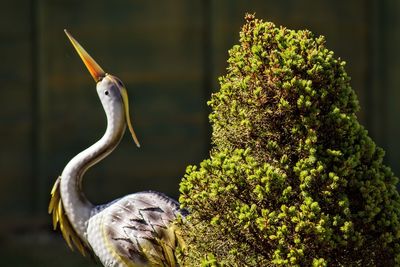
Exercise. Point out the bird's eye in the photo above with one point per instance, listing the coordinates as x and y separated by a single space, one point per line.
106 92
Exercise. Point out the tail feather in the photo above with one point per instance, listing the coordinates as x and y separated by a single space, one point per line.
56 209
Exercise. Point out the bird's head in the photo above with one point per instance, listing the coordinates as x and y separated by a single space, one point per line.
110 89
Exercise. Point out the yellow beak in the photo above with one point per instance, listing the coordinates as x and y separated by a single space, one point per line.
95 70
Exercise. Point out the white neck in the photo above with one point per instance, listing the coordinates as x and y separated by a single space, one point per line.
77 207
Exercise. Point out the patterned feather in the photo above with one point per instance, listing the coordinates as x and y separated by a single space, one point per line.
56 209
139 229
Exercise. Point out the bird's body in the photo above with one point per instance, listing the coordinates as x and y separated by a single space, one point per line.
135 230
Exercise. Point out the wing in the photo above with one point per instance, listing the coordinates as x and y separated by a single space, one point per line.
56 209
139 229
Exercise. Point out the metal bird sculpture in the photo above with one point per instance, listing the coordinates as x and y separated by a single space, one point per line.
135 230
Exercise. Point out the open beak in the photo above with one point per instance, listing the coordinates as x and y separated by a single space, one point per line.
95 70
98 73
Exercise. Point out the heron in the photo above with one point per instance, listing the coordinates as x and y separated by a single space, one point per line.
134 230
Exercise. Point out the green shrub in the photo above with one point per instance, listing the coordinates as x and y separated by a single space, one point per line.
293 178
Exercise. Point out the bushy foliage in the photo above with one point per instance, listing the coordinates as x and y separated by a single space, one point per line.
293 178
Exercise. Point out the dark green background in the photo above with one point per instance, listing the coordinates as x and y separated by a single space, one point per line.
169 54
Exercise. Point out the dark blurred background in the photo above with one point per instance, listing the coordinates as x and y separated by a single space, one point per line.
169 55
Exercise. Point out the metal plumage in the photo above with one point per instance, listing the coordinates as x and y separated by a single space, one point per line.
135 230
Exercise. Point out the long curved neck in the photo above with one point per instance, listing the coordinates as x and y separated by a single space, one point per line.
77 207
